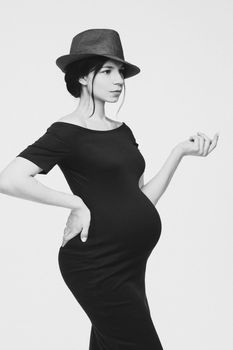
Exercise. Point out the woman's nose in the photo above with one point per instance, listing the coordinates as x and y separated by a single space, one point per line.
118 78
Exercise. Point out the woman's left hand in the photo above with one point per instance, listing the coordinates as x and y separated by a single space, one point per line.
198 145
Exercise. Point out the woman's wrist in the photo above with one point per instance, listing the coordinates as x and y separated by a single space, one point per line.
78 202
178 150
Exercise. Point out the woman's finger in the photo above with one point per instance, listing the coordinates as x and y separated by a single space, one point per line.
204 135
213 143
201 145
84 233
68 236
207 143
66 230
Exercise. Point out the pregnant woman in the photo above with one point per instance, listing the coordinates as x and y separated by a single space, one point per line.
113 225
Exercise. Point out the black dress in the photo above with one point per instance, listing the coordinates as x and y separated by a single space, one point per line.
106 274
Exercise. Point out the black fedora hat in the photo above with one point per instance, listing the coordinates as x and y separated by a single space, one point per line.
101 42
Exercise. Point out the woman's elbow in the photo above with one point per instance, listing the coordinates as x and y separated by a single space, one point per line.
5 185
14 174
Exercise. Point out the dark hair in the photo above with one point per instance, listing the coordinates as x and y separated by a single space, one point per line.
78 69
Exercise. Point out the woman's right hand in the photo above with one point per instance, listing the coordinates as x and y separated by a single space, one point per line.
78 222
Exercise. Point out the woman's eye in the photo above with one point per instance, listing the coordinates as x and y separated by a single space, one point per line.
108 70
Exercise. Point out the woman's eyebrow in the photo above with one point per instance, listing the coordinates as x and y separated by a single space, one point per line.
112 66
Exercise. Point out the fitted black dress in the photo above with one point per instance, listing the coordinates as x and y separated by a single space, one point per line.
106 274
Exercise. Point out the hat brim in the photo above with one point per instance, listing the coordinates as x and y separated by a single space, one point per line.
63 61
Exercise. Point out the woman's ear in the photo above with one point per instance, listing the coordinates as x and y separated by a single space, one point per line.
83 80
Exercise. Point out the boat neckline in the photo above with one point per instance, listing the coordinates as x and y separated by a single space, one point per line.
91 130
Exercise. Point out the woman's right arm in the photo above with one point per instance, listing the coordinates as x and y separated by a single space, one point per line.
17 180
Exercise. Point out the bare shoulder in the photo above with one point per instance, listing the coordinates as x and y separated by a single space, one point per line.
114 122
69 118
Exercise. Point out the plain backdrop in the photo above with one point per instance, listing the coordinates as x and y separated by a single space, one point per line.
184 49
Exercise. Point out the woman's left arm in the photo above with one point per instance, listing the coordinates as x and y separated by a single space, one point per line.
200 145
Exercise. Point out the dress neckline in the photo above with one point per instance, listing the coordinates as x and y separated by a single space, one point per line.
90 130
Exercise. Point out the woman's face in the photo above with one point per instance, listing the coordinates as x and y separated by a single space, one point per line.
109 79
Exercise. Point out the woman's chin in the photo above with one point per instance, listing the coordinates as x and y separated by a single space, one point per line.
113 99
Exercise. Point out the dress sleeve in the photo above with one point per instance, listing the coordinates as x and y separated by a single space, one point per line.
47 151
133 138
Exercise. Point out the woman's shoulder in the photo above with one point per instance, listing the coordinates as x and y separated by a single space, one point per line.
78 121
69 118
60 130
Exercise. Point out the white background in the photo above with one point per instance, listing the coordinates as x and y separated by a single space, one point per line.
184 50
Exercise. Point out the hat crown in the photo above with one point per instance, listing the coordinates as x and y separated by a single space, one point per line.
98 42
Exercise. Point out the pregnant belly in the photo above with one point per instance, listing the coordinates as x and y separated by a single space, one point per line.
130 224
